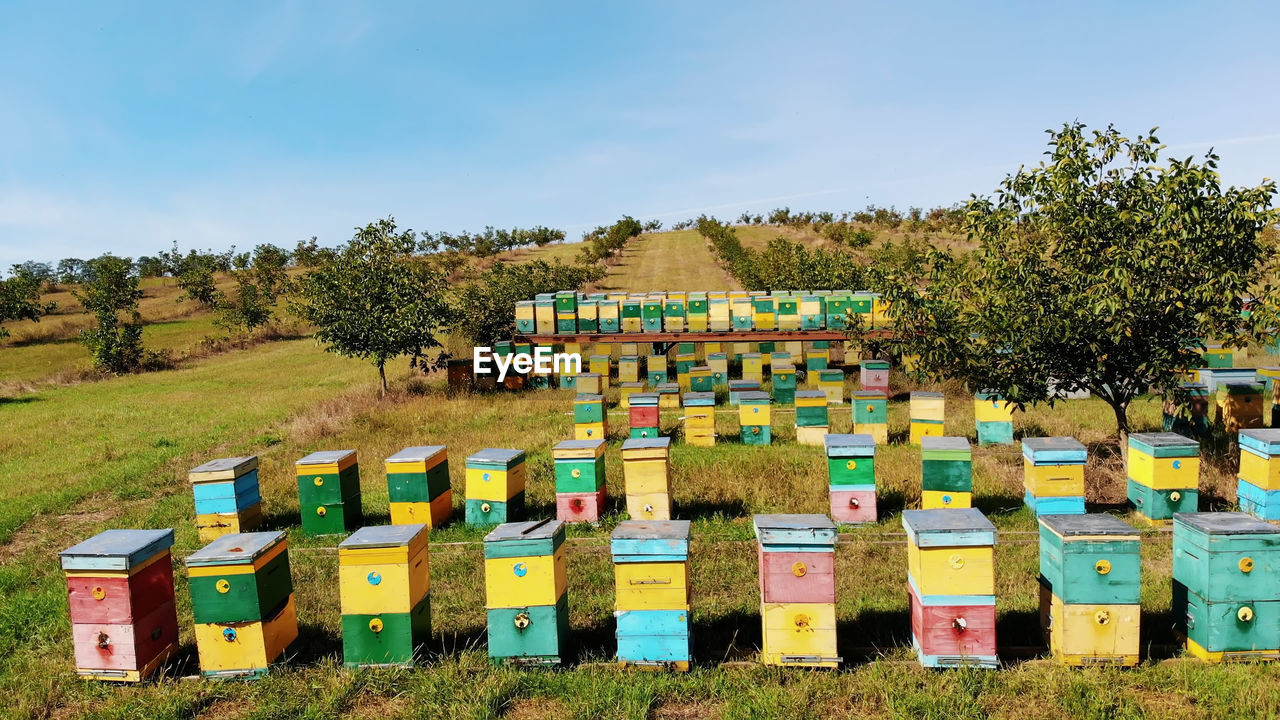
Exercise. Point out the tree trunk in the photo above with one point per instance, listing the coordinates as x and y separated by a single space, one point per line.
1121 410
382 374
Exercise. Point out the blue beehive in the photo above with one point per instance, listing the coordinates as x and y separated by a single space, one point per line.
651 572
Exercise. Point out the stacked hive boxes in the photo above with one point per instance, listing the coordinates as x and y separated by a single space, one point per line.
719 364
783 378
651 574
817 357
994 418
700 418
1258 489
600 365
418 486
384 578
526 323
831 382
656 370
951 580
797 589
1053 475
719 318
525 577
813 314
242 600
1164 475
851 472
754 417
752 367
626 390
742 311
874 375
871 414
927 415
685 361
609 316
673 315
1216 356
1226 581
837 305
1191 419
812 419
590 383
668 395
226 496
632 321
651 314
645 472
544 309
643 415
1089 569
628 369
778 358
697 312
589 420
1240 405
580 480
946 471
788 312
329 492
737 387
495 487
120 590
763 313
566 312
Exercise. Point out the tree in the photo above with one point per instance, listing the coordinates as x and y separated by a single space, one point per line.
111 296
150 266
373 300
197 280
258 288
1099 269
20 299
485 309
70 271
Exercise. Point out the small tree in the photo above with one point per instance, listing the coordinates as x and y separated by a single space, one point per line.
1098 270
20 299
111 296
373 300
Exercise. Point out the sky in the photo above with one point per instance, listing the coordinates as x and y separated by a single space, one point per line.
127 126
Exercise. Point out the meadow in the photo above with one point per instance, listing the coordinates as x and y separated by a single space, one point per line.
84 456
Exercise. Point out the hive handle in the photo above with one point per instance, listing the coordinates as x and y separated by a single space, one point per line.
651 581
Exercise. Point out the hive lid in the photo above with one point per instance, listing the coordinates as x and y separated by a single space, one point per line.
326 457
578 449
811 529
783 369
1264 441
383 536
699 399
925 394
869 395
991 395
948 527
876 365
643 399
932 444
752 355
527 530
813 394
235 549
116 549
751 397
588 375
1089 524
503 456
588 398
850 445
1243 388
652 530
662 443
1054 450
224 468
1225 523
828 375
417 453
668 388
1164 444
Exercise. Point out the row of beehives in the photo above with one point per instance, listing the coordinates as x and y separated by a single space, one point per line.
568 312
1234 398
1225 603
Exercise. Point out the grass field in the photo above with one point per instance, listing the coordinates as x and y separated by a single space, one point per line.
81 458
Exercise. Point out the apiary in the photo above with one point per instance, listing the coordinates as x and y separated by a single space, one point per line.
737 387
951 583
926 415
796 561
384 579
628 369
609 316
580 480
697 312
994 418
874 375
1258 488
495 487
656 369
1164 475
1053 475
589 419
946 473
700 418
754 417
752 367
719 364
227 497
329 492
642 415
124 624
646 474
851 475
526 578
701 379
242 600
871 414
763 313
831 383
632 321
526 323
812 419
673 314
783 378
651 607
418 488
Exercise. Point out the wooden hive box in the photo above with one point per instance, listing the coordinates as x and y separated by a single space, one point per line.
816 360
788 317
831 383
743 313
384 579
600 365
763 313
227 496
737 387
545 316
766 352
242 601
1226 585
780 357
643 415
628 369
754 417
851 475
652 603
697 319
1191 418
526 577
1240 405
926 415
580 480
329 492
701 379
752 367
651 314
813 312
656 369
871 414
673 314
719 364
495 487
668 395
626 390
685 362
589 419
1053 475
946 473
609 319
700 418
796 560
632 320
838 305
783 379
526 323
812 418
646 476
1216 356
1258 487
1164 475
418 487
994 418
874 376
590 383
719 317
124 623
631 349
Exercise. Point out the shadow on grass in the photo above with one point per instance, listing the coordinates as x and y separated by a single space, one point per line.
734 636
313 644
701 510
22 400
1018 634
1003 504
873 633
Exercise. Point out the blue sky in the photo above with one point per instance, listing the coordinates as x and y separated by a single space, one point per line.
126 126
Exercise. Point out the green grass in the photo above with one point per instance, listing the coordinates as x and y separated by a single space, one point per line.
677 260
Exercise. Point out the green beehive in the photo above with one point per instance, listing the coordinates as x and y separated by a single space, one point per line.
588 316
673 315
1090 559
656 370
329 492
651 314
837 304
566 301
845 475
811 409
813 312
631 311
701 379
870 407
784 384
946 464
240 577
576 473
588 408
525 583
754 417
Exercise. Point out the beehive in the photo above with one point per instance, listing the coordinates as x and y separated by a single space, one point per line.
752 367
545 316
874 376
684 365
1053 475
754 417
831 383
926 415
1091 566
719 318
589 383
788 316
646 474
609 316
812 419
871 414
1269 376
766 352
626 390
525 579
589 419
783 378
673 314
994 418
668 395
742 313
495 487
1216 356
588 315
384 581
242 600
1240 405
1192 418
1164 475
946 473
837 306
418 486
1226 586
1258 488
778 358
643 415
697 318
719 364
651 607
700 418
656 369
329 492
951 582
763 313
651 314
124 625
701 379
813 312
797 590
815 360
851 474
631 316
600 365
580 480
227 497
526 323
628 369
737 387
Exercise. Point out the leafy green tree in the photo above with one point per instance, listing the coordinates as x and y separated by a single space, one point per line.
111 296
70 271
150 266
484 310
20 298
373 300
1099 269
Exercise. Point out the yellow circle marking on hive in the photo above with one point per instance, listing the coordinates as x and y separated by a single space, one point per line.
1175 496
99 593
376 625
522 620
798 569
576 473
870 408
1245 614
802 621
1102 566
956 561
484 507
223 586
852 464
321 511
318 481
1246 564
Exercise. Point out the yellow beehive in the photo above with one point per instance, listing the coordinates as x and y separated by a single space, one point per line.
538 580
1081 633
941 499
799 630
645 471
700 419
985 410
1053 480
753 367
651 585
794 347
951 570
377 580
628 369
626 390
